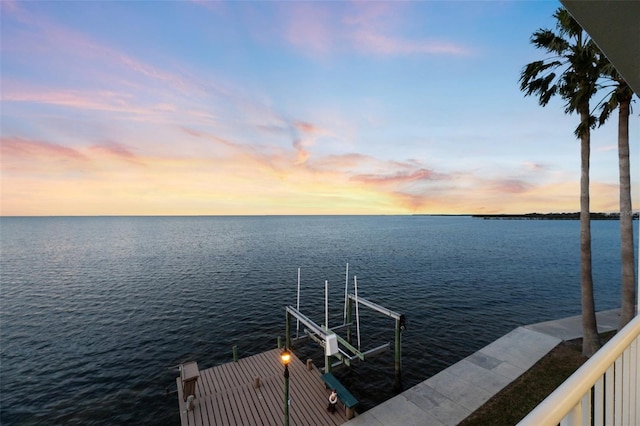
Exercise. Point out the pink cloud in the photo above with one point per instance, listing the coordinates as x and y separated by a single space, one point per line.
511 186
9 6
368 27
310 27
116 150
211 137
192 132
96 100
307 127
388 45
124 105
305 135
374 29
535 166
346 161
15 147
46 36
397 178
23 156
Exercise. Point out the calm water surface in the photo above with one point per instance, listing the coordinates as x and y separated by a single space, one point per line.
97 312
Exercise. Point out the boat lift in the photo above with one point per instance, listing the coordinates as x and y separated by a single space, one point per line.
337 346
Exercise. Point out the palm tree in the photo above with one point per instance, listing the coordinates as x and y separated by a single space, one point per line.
572 72
620 97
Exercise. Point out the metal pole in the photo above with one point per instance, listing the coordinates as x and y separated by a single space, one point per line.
346 293
286 395
298 305
287 333
327 358
398 350
355 285
326 305
349 320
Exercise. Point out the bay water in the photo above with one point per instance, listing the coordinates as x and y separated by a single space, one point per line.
97 312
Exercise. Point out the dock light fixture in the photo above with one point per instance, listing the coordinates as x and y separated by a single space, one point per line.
286 358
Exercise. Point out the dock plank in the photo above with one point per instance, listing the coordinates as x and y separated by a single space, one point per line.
271 389
207 402
225 409
266 396
225 394
263 411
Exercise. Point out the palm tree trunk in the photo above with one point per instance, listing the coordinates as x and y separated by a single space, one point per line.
628 302
590 338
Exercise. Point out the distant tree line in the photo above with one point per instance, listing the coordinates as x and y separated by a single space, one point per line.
555 216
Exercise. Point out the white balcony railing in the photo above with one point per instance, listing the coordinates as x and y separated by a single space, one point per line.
604 391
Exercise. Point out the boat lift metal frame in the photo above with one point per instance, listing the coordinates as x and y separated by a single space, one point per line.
328 339
400 326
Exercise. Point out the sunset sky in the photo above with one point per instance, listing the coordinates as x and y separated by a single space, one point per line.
274 107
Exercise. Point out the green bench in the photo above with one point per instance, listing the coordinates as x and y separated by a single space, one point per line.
344 395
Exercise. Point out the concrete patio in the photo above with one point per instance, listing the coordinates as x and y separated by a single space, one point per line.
448 397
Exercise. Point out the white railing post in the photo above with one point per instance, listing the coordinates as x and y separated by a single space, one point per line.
598 402
573 417
613 373
608 403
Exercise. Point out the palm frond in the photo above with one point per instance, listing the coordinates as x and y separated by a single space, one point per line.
546 39
585 125
566 25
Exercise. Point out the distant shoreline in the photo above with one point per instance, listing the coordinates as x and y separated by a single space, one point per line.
551 216
525 216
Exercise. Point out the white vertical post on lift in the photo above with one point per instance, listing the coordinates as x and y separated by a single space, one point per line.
346 296
355 285
327 358
326 304
298 305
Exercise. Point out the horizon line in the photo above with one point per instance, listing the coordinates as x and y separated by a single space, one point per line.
635 212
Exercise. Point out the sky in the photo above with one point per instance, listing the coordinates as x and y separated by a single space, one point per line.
286 107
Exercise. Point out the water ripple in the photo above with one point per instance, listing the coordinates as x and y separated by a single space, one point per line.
97 311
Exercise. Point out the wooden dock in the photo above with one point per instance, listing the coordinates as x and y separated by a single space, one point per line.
225 395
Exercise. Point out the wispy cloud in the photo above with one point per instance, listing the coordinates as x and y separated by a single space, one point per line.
535 166
247 176
20 148
311 28
115 150
162 133
366 27
101 100
388 45
511 186
46 37
397 178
